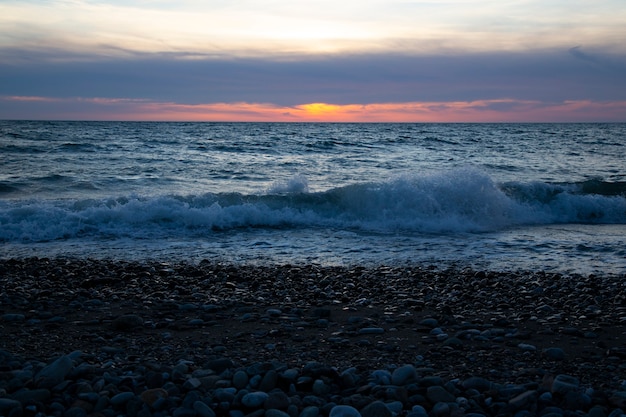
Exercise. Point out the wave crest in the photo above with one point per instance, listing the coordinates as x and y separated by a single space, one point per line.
457 201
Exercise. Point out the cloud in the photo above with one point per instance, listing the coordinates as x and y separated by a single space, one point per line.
549 75
502 110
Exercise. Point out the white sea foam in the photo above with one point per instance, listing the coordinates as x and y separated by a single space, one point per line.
457 201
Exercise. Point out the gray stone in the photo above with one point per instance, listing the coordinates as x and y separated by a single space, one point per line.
269 380
477 383
277 400
436 394
127 322
192 383
276 413
254 399
38 395
554 354
320 388
203 410
344 411
240 379
372 330
376 409
6 405
440 409
122 398
564 383
13 318
54 373
310 411
523 400
429 322
404 375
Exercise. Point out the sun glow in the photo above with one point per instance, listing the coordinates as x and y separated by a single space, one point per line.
502 110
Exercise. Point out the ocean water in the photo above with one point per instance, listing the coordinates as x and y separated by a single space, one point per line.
488 196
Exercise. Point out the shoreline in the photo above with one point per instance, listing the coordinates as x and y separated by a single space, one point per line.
521 330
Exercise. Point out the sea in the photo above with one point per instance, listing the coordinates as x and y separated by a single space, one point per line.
503 197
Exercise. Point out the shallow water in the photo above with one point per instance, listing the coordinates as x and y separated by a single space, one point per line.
499 196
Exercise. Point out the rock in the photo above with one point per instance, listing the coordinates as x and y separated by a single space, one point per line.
441 409
7 405
122 398
151 396
376 409
127 322
404 375
553 354
277 400
310 411
276 413
436 394
240 379
344 411
429 322
254 399
523 400
564 383
13 318
203 410
34 395
372 330
478 383
269 380
54 373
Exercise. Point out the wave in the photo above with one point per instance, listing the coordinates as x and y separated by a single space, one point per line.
457 201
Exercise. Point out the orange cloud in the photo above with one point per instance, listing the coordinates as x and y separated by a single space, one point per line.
501 110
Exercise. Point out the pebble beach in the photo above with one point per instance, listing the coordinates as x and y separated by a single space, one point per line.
107 338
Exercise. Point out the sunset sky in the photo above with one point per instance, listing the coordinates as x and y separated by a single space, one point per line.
322 60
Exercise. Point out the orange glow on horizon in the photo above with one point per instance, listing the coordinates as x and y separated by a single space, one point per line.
502 110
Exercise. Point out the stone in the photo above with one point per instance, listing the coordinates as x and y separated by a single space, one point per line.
203 410
310 411
254 399
371 330
404 375
344 411
127 322
54 373
34 395
151 396
276 413
523 400
478 383
122 398
277 400
440 409
7 405
376 409
564 383
240 379
220 365
269 380
436 394
554 354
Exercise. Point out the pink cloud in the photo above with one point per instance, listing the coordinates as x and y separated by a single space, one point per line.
501 110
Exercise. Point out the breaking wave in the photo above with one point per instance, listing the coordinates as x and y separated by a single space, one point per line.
457 201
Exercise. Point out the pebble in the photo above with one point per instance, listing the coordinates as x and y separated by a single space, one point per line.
254 399
372 330
344 411
376 409
332 311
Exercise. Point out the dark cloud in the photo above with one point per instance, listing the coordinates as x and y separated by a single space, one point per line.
190 78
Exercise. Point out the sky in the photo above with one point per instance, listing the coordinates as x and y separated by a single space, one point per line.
322 60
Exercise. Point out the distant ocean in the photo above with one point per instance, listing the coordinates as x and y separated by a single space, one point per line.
490 196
